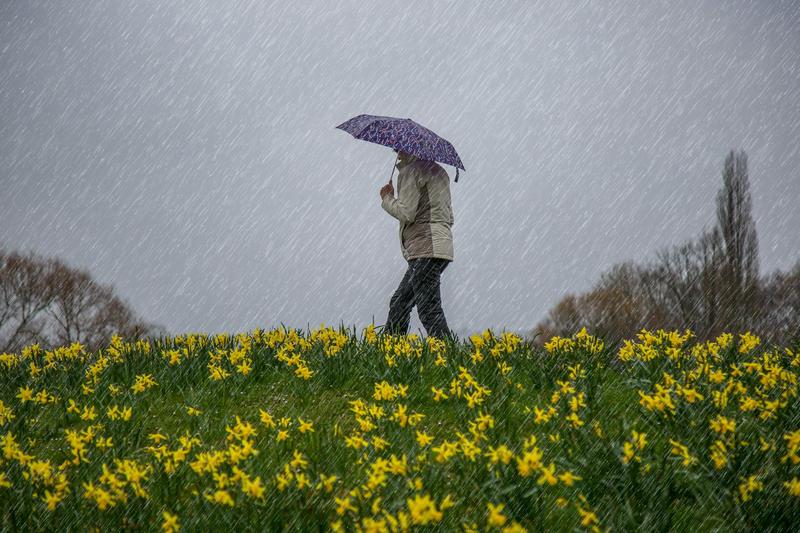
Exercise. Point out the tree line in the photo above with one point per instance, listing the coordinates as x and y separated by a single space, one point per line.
45 301
709 285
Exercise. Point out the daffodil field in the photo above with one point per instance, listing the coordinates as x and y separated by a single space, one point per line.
333 430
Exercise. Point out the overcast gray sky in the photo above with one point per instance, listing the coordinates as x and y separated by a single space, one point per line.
185 152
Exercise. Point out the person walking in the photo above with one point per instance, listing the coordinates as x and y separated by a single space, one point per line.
425 214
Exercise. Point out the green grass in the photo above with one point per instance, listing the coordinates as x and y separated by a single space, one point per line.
623 497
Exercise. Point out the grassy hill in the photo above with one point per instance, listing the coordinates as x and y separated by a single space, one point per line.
344 430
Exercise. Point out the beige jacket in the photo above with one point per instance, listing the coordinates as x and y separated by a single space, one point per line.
423 208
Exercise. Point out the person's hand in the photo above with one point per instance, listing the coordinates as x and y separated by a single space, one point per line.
387 189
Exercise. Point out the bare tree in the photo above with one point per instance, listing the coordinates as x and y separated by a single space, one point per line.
42 300
708 285
685 284
711 256
564 319
738 231
75 305
678 271
614 307
27 293
778 318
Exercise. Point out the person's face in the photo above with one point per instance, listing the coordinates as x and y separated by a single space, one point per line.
401 156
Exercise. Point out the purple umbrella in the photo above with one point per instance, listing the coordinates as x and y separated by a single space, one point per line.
403 134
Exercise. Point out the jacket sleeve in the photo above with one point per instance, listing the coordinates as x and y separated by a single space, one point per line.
404 208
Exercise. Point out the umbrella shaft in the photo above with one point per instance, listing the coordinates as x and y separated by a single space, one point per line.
394 166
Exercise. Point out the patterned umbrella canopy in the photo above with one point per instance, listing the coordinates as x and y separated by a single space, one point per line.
403 134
